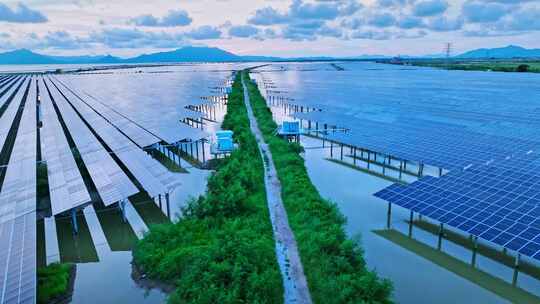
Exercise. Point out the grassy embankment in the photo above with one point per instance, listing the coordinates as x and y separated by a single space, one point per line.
54 282
495 66
333 264
222 250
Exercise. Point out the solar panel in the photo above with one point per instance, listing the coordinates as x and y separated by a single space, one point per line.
440 145
17 212
498 202
11 110
154 178
66 186
134 131
9 91
111 182
164 104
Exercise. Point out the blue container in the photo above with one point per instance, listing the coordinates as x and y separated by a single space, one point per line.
225 140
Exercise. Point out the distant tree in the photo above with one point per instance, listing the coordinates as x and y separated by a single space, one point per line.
523 68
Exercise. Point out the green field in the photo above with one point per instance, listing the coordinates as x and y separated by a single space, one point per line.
482 65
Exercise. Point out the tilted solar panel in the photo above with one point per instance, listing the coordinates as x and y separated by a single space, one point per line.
494 201
66 186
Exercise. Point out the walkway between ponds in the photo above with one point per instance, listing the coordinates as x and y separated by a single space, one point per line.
292 272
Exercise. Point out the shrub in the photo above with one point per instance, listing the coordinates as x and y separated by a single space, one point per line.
222 250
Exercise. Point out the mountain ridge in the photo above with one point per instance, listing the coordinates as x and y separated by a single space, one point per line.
213 54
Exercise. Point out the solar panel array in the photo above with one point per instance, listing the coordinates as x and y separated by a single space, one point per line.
432 143
66 186
17 211
498 202
482 127
77 129
111 182
154 178
139 135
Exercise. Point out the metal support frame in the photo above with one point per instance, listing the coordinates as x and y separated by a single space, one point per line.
168 205
389 216
122 206
516 270
441 234
474 251
411 219
74 222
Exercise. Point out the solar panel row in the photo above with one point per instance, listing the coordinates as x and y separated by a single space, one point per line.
428 142
498 202
17 209
111 182
154 178
66 186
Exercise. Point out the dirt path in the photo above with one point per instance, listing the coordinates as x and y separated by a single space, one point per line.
294 280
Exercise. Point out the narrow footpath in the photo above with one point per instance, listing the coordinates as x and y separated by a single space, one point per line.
294 280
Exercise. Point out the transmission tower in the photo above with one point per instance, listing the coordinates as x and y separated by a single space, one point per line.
448 51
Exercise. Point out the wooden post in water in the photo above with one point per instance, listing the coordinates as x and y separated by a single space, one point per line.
341 156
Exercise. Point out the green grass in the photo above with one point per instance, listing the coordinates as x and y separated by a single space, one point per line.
333 264
495 66
53 282
464 270
222 250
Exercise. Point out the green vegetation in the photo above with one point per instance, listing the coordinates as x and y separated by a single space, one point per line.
222 249
495 66
333 264
53 282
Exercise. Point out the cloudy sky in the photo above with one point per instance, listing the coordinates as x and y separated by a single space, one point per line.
271 27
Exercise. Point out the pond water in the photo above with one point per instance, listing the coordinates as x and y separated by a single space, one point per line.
102 250
388 93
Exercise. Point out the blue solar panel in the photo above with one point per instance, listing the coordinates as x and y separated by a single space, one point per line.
438 144
489 201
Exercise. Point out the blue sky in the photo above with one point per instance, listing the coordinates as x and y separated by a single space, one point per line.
272 27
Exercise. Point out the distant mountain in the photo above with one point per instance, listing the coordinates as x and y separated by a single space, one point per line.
510 51
24 56
187 54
